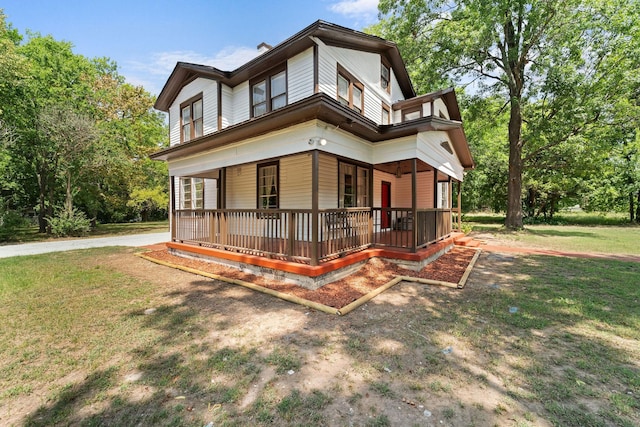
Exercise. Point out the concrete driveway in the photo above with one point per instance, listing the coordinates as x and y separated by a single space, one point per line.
68 245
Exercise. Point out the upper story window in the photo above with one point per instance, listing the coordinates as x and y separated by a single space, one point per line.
191 119
386 115
268 182
350 90
411 113
269 92
385 76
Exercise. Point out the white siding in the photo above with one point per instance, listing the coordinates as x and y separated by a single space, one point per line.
227 106
300 76
209 89
327 71
295 182
241 103
210 194
328 182
440 108
241 187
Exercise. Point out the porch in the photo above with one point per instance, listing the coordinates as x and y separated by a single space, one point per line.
308 236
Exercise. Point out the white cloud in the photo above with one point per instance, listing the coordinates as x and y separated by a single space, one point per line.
366 9
153 73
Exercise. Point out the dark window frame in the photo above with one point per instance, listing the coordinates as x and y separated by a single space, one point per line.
259 197
356 194
192 122
384 64
353 82
267 77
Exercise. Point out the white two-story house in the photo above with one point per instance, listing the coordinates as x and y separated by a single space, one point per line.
315 150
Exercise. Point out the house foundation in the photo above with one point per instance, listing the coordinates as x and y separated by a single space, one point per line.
313 277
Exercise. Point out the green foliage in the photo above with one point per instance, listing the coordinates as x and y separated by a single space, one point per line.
561 79
69 223
73 132
10 223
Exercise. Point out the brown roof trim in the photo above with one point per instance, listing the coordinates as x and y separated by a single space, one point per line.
321 107
331 34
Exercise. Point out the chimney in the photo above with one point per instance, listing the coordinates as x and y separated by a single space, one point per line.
264 47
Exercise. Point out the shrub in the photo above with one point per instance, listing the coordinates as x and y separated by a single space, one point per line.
10 222
69 223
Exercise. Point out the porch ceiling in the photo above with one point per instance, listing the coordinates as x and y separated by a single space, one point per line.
405 168
321 107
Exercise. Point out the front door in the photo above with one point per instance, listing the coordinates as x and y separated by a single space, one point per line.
386 203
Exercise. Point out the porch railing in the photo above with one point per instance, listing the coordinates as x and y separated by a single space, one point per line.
289 234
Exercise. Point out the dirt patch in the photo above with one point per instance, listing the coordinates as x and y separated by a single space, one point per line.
375 273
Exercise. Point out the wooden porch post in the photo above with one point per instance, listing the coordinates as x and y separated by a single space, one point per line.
459 206
370 197
435 203
223 205
414 203
315 220
172 206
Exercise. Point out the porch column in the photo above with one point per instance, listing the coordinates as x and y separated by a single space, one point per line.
414 203
370 198
172 206
435 204
459 205
315 221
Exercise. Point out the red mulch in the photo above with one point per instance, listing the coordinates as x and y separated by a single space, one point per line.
376 272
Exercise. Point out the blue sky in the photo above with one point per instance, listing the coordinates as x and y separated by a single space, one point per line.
147 37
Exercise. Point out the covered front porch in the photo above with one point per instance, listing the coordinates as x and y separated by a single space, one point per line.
411 207
311 237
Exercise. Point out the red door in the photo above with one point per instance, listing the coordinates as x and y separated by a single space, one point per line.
386 203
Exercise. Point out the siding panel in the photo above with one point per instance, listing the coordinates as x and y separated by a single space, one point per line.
241 103
295 182
328 185
241 187
300 76
209 89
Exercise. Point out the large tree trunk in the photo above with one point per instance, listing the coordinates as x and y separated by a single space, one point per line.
514 187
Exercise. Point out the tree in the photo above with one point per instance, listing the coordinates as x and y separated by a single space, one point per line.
536 55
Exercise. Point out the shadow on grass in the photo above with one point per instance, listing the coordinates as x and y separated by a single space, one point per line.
557 353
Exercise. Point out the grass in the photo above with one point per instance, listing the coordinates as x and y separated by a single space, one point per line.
31 234
605 233
76 347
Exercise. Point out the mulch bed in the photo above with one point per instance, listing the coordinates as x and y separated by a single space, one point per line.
450 267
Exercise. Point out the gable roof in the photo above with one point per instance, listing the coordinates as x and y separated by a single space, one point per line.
330 34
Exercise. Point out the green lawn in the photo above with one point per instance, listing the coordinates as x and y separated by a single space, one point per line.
31 234
583 233
76 347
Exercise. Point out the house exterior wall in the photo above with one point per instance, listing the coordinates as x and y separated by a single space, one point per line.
241 103
328 182
209 89
227 106
300 76
295 182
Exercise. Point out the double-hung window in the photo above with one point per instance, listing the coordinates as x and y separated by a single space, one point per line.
350 91
268 183
269 92
385 76
353 184
192 193
191 119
